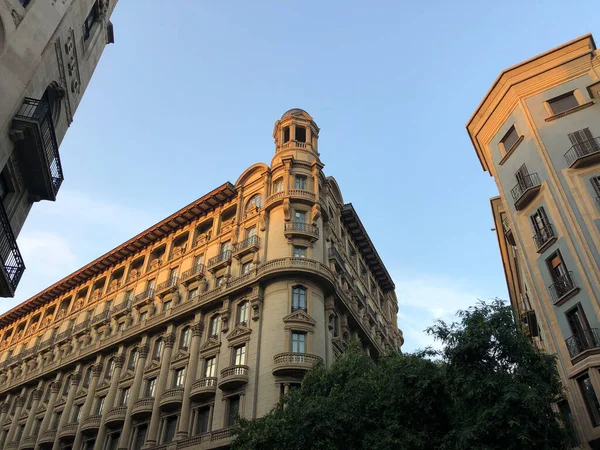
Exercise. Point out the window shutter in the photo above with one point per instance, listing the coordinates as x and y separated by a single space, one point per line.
596 184
555 262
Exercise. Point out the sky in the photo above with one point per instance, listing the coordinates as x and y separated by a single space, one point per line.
187 97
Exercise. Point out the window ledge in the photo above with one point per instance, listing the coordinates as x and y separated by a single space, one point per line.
569 111
511 151
567 296
547 244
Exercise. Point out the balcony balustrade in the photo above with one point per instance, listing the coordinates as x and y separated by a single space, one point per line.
28 442
81 327
143 297
68 430
294 364
248 245
216 262
585 340
91 422
233 377
63 335
47 437
121 308
171 398
116 415
203 388
583 153
142 407
544 237
526 190
193 274
100 319
563 288
301 229
12 262
168 286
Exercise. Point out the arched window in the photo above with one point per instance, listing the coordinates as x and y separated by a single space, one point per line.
242 313
184 341
298 298
87 377
214 326
254 203
278 185
158 348
110 368
134 355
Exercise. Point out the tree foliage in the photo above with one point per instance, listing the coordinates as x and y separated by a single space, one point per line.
489 389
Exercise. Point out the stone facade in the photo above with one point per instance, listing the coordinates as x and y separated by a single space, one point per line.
215 311
48 52
537 132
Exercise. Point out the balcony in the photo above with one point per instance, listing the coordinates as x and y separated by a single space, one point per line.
12 263
81 327
116 416
544 238
28 442
68 430
47 437
100 319
142 408
248 245
171 398
167 287
233 377
29 352
47 343
300 229
194 274
508 234
144 297
294 364
563 288
63 336
37 149
91 422
583 341
526 190
203 388
302 195
12 446
219 261
583 154
121 308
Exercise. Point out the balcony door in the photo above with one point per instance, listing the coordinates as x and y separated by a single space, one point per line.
580 328
522 176
540 220
583 141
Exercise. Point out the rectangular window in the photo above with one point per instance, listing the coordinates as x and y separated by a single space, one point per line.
250 232
233 410
299 217
56 420
76 415
510 139
300 182
219 281
124 397
193 294
557 266
567 416
167 305
522 176
286 134
19 433
596 185
299 252
140 436
100 404
202 416
179 378
590 399
240 355
150 285
298 342
170 424
278 185
150 387
129 295
299 299
540 221
300 134
247 267
210 367
174 272
112 440
563 103
90 20
198 261
583 142
580 328
37 425
225 247
143 316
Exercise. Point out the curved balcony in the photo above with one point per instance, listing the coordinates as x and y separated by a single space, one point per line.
203 388
68 430
219 261
28 442
526 190
142 407
116 415
47 437
544 238
294 363
302 194
100 319
248 245
296 195
91 423
12 446
584 153
171 398
301 229
233 377
194 274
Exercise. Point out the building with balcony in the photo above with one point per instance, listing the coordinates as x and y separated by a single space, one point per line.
48 52
537 133
212 313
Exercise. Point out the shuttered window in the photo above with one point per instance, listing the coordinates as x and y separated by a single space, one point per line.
563 103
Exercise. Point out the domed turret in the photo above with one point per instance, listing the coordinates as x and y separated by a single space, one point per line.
296 134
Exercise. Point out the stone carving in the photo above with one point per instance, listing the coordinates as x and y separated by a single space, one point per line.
169 340
144 351
197 329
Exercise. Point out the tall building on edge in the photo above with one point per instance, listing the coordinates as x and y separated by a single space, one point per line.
215 311
48 52
537 132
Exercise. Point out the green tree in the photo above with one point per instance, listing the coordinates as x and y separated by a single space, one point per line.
500 386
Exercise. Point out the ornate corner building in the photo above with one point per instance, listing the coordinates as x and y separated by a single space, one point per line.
537 132
48 52
214 312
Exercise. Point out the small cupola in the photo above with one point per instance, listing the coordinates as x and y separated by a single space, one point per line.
296 134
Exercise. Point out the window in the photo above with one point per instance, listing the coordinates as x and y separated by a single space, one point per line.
48 393
36 426
298 298
278 185
299 252
539 220
5 186
100 405
202 417
299 217
590 399
254 203
335 325
219 281
210 367
250 232
186 335
124 397
198 262
19 433
286 134
150 286
134 355
65 389
90 20
298 342
214 326
120 326
247 267
112 440
76 415
140 436
522 176
129 296
170 429
179 377
240 355
56 420
300 182
596 185
173 273
563 282
582 338
510 139
300 134
563 103
242 313
158 348
150 387
567 416
225 247
110 368
143 316
583 142
167 305
233 410
193 294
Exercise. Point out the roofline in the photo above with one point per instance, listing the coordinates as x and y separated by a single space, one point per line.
220 195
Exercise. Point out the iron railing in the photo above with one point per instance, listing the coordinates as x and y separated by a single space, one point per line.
526 182
171 282
584 340
148 293
246 243
225 256
63 335
562 285
543 235
196 270
582 149
122 306
100 317
333 253
303 227
81 326
12 261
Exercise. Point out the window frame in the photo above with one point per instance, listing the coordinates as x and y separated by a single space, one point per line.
299 298
558 98
214 326
239 355
185 338
593 410
210 367
515 143
298 342
301 182
242 313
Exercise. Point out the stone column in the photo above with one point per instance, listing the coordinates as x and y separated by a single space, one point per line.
15 421
192 368
165 361
64 418
87 405
134 395
3 413
37 395
109 402
54 386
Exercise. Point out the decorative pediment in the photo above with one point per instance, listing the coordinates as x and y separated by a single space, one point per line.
24 415
103 384
81 393
180 355
154 365
240 332
41 409
129 375
59 403
209 345
299 317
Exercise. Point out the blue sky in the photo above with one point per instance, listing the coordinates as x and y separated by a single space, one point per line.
187 97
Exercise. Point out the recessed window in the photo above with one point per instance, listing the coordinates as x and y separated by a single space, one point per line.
179 377
87 377
299 217
298 342
202 418
286 134
124 396
300 182
100 405
247 267
143 316
90 20
193 294
167 305
214 326
76 415
596 185
242 313
562 278
210 367
510 139
150 387
225 247
170 427
563 103
299 252
590 399
133 359
186 336
233 409
278 185
240 356
254 203
219 281
298 298
158 348
300 134
110 368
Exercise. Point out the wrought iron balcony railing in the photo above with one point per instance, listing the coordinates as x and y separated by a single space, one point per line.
147 294
562 285
543 236
584 340
195 271
527 182
12 262
302 227
249 242
582 150
225 256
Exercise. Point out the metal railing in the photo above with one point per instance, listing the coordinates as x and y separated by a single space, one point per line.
225 256
302 227
12 261
543 235
246 243
100 317
63 335
122 306
167 284
148 293
561 286
526 182
584 340
582 149
196 270
81 326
